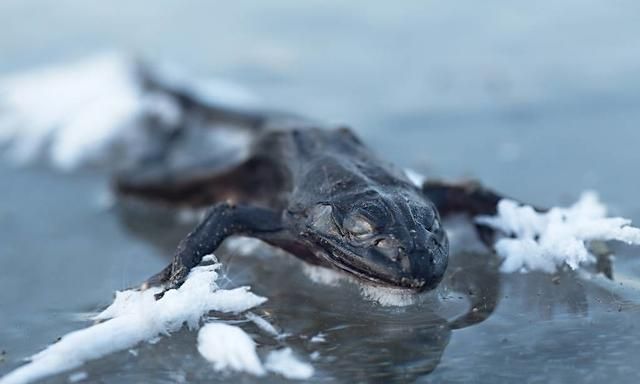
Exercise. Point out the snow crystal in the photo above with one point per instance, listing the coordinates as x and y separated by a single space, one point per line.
229 348
544 241
136 316
284 363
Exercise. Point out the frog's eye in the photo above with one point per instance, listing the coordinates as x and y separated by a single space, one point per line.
358 226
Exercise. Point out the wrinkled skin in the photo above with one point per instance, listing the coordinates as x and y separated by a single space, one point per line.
319 194
361 215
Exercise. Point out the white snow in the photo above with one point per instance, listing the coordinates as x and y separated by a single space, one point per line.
286 364
229 348
80 112
561 236
136 316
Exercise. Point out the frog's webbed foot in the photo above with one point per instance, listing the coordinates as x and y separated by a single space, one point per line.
222 221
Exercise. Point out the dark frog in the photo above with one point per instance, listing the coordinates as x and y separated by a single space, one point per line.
356 213
319 194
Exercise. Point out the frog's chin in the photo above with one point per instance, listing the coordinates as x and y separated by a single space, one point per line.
341 258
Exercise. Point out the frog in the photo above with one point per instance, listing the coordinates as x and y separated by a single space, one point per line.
313 190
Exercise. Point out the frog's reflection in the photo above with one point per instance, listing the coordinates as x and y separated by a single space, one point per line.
364 341
367 342
548 296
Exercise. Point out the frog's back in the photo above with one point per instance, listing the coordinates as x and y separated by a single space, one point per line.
321 163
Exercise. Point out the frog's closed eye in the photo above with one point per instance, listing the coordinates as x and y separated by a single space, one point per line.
358 226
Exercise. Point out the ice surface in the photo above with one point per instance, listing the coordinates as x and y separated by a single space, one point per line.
561 236
77 113
263 324
229 348
284 363
136 316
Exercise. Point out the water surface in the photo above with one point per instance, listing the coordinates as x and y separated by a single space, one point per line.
538 100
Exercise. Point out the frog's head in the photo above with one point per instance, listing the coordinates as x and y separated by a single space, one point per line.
392 238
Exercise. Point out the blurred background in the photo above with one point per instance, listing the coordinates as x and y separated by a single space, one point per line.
488 90
539 99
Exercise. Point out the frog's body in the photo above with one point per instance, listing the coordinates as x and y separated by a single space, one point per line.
319 194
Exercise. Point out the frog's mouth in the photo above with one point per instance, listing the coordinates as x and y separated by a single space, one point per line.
383 273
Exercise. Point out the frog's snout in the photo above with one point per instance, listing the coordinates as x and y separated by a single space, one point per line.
417 265
427 262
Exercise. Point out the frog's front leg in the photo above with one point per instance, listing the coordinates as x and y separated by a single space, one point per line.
222 221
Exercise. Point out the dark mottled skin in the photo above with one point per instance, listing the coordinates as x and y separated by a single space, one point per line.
318 193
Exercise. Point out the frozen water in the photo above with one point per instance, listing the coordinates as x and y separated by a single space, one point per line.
548 240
